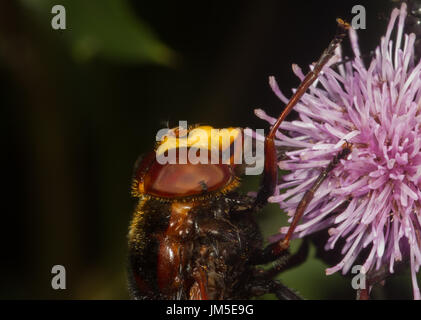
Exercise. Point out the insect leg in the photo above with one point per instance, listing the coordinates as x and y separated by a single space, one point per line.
282 292
270 174
308 196
363 294
374 277
288 262
275 250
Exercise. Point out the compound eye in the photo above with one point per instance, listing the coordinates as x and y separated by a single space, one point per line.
163 174
182 180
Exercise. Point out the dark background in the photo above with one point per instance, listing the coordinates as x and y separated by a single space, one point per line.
79 105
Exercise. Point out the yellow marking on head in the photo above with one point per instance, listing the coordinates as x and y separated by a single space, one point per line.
201 137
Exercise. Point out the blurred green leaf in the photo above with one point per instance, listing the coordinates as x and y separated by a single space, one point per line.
106 29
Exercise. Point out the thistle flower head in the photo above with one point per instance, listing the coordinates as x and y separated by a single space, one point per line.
372 199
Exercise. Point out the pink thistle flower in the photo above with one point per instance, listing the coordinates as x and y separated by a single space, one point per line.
373 197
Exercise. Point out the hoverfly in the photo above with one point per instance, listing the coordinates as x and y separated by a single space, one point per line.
193 236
